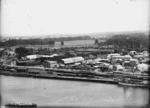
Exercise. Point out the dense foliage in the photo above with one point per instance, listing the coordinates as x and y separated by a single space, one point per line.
96 41
38 41
14 42
62 43
136 42
22 51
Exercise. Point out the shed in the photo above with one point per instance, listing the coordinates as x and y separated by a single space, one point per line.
72 60
50 64
31 57
109 56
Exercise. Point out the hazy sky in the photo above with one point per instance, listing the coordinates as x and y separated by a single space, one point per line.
43 17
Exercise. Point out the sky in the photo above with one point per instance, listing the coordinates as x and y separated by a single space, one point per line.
51 17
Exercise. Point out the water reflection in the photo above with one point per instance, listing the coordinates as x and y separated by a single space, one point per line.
135 95
61 92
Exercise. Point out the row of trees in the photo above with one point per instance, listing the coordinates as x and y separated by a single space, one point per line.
86 37
46 41
129 41
14 42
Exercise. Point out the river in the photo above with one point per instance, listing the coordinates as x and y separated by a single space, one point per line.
47 92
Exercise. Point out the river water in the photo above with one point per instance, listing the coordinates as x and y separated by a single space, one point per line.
47 92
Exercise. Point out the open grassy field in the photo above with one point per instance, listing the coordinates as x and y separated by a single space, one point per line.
75 43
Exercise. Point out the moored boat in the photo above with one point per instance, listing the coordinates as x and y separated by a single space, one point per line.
25 105
133 82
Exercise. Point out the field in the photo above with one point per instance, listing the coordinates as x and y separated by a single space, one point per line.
75 43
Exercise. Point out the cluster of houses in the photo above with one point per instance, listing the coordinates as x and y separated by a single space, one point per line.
132 62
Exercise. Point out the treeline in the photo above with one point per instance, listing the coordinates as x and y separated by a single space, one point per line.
129 41
38 41
14 42
86 37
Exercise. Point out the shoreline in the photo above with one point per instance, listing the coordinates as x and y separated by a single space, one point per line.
58 77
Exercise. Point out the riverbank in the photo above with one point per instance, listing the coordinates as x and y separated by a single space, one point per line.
113 77
73 78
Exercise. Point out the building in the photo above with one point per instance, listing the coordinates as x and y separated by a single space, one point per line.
31 57
36 70
109 56
50 64
143 67
120 59
132 53
102 60
118 68
72 60
29 63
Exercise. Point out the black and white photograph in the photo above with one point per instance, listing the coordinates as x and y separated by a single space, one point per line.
74 53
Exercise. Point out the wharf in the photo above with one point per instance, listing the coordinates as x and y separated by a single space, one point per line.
71 78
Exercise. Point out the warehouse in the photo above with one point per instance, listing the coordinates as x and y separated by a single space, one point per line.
72 60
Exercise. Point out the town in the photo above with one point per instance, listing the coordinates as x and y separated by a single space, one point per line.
114 63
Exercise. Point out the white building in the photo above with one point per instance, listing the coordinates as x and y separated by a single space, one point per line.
109 56
142 67
73 60
31 57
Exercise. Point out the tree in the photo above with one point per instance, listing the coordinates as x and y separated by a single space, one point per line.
96 42
21 52
129 42
62 43
51 42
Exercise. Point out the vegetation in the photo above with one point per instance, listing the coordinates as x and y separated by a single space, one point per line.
96 42
38 41
14 42
130 42
22 52
62 43
2 52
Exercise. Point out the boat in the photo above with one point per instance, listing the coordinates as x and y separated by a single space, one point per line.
133 82
134 85
20 105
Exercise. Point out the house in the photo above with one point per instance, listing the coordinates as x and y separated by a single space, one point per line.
48 56
1 49
134 62
126 63
50 64
118 68
120 59
132 53
143 67
109 56
31 57
72 60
